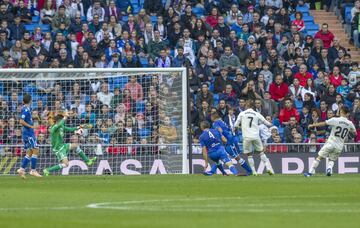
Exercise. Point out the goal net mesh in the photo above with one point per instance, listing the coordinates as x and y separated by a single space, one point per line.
134 119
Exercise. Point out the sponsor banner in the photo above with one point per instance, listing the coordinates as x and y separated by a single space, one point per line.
285 163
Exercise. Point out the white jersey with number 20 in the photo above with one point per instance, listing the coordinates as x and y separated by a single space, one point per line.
340 128
250 120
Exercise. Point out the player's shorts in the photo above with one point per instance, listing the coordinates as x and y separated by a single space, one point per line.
30 143
249 144
330 151
62 152
232 148
220 155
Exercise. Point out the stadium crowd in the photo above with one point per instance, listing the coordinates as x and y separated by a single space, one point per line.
233 50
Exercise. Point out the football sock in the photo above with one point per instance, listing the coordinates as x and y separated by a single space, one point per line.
331 165
221 168
56 167
33 161
252 164
314 165
246 166
233 169
25 162
213 169
265 160
82 154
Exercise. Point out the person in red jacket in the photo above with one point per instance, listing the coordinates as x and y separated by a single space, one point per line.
325 35
287 112
336 77
213 18
303 75
278 89
299 22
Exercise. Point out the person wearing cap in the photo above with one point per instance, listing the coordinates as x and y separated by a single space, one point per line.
249 16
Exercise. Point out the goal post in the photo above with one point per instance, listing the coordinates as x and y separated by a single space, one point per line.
136 118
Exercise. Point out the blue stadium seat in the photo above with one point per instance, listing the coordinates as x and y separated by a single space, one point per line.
35 19
120 82
143 133
312 27
144 62
216 99
30 27
125 18
140 106
308 19
1 88
312 33
153 19
198 11
45 28
83 19
302 9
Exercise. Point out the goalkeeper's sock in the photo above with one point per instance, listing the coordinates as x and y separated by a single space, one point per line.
331 165
82 154
314 165
233 170
246 166
25 162
33 161
221 168
55 168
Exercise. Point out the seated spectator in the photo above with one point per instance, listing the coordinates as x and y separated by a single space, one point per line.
88 116
325 35
278 89
135 88
156 45
229 95
329 96
293 124
233 14
298 148
60 17
128 101
221 81
303 75
167 132
336 77
287 112
299 22
281 148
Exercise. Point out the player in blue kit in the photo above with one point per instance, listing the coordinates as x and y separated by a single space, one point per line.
29 139
231 147
211 141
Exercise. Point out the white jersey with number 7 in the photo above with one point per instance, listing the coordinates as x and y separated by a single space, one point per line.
341 127
250 121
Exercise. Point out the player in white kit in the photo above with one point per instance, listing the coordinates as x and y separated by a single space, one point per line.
249 121
341 129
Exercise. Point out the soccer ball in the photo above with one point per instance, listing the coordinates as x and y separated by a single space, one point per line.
80 131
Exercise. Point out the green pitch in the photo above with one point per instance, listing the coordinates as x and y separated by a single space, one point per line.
180 201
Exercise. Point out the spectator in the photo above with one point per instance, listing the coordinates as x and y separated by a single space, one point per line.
229 60
336 77
59 18
278 89
221 81
287 112
299 22
303 75
156 45
325 35
135 88
95 9
293 124
233 14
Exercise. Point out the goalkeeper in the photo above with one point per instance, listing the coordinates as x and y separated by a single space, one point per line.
62 149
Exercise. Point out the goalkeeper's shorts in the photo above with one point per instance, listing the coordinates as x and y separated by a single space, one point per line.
62 152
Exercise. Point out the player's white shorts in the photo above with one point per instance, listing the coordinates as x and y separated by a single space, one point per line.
330 151
249 144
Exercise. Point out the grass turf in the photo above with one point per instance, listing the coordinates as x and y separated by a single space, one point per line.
180 201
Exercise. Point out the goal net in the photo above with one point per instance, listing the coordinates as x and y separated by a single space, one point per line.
135 119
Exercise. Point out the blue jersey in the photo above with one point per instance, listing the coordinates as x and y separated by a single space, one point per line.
211 139
226 131
26 116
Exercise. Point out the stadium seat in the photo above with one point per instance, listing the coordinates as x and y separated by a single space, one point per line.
35 19
198 11
312 27
144 132
302 9
125 18
153 19
83 19
308 19
1 89
120 82
312 33
30 28
140 106
216 99
144 62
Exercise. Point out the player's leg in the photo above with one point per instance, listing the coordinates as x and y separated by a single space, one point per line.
259 148
333 156
62 156
80 152
323 153
247 146
225 158
217 165
35 153
234 151
25 161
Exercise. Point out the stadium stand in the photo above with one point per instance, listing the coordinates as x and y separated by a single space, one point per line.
264 37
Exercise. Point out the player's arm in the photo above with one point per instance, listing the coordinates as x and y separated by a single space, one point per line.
23 123
238 121
205 156
263 120
320 124
71 129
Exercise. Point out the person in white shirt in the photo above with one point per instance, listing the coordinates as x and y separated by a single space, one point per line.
249 121
341 129
105 96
